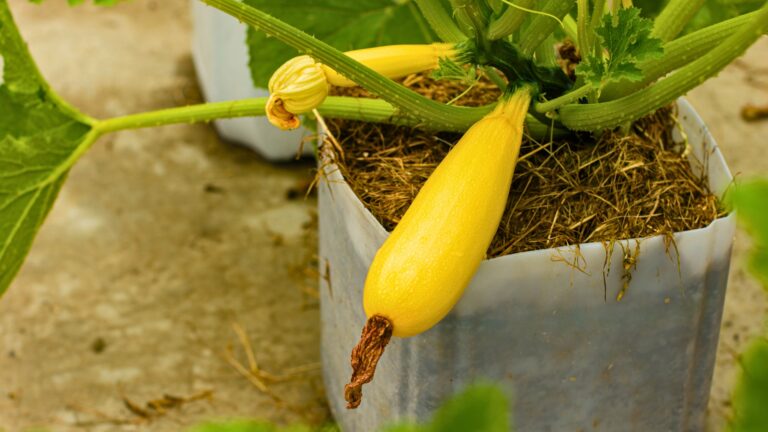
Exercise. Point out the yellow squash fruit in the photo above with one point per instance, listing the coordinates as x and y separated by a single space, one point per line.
422 269
301 84
395 61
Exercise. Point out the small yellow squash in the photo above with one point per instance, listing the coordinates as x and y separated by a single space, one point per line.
421 271
424 266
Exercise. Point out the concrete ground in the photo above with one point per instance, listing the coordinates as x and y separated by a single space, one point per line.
164 241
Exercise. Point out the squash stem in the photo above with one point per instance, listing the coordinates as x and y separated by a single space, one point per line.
371 110
570 97
674 17
515 105
440 21
571 28
542 25
584 32
510 20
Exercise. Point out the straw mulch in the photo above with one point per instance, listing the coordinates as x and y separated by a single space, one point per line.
565 192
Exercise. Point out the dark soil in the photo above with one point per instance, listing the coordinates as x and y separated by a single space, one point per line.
568 191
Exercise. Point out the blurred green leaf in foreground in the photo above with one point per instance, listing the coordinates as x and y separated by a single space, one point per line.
481 407
750 397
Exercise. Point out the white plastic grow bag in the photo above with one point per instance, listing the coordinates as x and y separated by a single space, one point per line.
572 359
221 61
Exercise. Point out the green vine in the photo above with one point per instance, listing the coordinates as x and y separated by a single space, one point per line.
511 20
542 26
371 110
608 115
674 17
440 21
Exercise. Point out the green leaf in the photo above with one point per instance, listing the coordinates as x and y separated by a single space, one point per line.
481 407
344 24
750 397
626 40
751 202
450 70
41 137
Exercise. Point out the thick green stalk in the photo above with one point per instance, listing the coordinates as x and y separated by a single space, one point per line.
362 109
432 115
674 17
545 53
571 28
510 20
371 110
495 77
615 8
584 41
496 6
542 26
597 21
678 53
440 21
462 17
607 115
475 14
597 13
570 97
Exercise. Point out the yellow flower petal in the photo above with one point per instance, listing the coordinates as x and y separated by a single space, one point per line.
297 87
279 116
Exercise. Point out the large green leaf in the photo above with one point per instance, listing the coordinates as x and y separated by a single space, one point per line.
345 24
40 139
627 41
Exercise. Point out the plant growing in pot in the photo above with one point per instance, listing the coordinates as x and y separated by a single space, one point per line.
598 169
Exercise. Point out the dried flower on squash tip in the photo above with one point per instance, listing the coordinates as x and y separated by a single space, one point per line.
297 87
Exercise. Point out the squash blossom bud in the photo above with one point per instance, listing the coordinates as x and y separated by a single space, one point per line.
297 87
301 84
